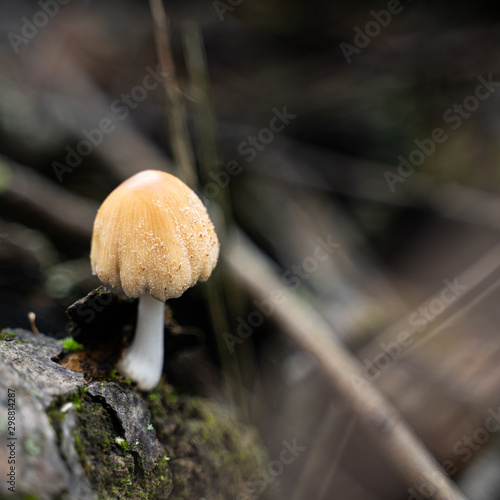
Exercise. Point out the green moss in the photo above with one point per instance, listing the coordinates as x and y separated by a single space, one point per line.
78 444
110 464
163 461
173 398
56 416
76 399
116 377
122 443
208 453
7 334
71 345
213 455
153 397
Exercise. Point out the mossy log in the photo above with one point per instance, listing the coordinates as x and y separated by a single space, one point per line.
72 438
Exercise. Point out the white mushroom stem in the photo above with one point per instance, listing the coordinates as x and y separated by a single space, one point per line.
143 360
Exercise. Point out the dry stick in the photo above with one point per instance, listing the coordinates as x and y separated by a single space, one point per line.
326 427
405 451
205 120
179 135
223 292
202 103
333 467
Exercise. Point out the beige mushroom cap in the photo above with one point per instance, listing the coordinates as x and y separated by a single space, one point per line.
153 234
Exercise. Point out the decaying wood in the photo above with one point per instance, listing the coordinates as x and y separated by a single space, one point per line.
77 438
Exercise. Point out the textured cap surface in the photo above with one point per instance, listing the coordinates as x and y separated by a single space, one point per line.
153 234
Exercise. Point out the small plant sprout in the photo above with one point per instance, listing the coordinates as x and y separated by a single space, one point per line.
32 319
71 345
152 238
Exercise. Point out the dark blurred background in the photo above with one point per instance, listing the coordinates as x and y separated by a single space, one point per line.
373 123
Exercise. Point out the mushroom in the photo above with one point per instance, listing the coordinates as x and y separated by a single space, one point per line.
153 238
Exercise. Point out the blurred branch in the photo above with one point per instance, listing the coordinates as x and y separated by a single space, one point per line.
290 220
333 468
364 179
207 139
74 102
37 202
405 451
179 135
332 426
200 91
479 280
224 295
481 480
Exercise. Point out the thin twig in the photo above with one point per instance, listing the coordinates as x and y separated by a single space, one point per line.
333 466
205 122
179 135
477 281
328 428
64 216
223 292
299 320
